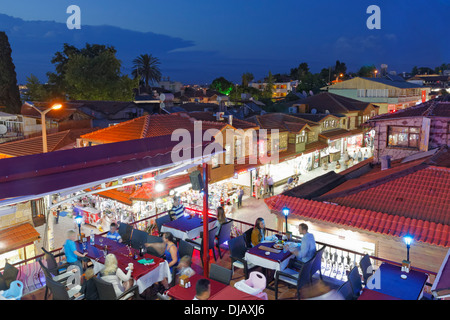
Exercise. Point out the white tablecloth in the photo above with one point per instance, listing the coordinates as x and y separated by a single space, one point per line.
147 280
266 263
191 234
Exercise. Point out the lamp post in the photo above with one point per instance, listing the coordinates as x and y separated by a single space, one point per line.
286 211
79 221
43 124
408 240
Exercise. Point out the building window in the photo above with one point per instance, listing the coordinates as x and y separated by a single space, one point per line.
228 159
301 138
215 161
406 137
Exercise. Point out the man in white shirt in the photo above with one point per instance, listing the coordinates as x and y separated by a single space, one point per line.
270 183
306 250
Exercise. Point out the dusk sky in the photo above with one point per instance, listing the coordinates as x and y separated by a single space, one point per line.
203 39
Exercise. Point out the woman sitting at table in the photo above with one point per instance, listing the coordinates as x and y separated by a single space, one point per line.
114 275
221 219
168 248
259 232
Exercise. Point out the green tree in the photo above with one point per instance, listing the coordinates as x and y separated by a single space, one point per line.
414 71
301 71
9 91
222 85
57 86
366 71
340 69
97 77
36 90
146 68
247 77
269 88
441 68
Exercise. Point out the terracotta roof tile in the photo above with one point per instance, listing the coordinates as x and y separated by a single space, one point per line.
148 126
395 225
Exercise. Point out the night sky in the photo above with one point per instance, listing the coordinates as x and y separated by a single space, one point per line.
200 40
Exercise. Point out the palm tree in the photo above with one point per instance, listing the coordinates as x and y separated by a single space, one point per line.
146 68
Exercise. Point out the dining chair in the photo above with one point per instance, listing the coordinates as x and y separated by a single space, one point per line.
53 266
59 291
125 231
355 280
248 237
366 268
161 221
294 277
345 290
238 248
220 274
138 238
106 291
9 275
317 263
198 243
224 235
61 278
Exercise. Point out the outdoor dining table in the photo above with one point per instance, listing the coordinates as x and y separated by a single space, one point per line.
391 283
145 275
186 227
179 293
274 261
368 294
231 293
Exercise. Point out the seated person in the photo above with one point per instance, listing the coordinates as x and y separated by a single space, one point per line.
113 274
113 233
74 257
259 232
177 210
221 219
170 250
184 268
305 250
88 288
202 290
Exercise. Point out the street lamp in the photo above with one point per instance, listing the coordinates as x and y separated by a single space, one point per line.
286 211
79 221
56 106
408 240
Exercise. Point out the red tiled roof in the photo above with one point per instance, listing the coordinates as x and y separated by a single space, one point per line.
209 116
423 194
55 141
373 221
432 108
59 115
279 121
148 126
340 133
17 237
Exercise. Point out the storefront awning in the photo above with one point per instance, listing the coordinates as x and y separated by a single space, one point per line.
113 194
30 177
17 237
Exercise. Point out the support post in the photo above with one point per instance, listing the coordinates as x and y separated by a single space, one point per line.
205 222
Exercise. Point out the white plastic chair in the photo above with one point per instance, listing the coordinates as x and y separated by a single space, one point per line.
14 292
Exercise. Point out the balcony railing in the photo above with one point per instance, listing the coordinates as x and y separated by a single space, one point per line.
336 261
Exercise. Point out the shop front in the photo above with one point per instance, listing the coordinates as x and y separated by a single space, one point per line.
354 143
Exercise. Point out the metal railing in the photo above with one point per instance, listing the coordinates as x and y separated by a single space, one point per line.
336 261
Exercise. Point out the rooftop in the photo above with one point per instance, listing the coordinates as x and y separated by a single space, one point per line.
55 141
439 107
149 126
333 103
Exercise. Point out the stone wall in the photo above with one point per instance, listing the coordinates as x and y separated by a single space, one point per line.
22 215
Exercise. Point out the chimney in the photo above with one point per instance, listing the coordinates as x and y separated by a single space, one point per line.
386 162
230 120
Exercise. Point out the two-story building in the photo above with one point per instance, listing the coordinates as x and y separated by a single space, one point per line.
413 130
280 89
390 93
